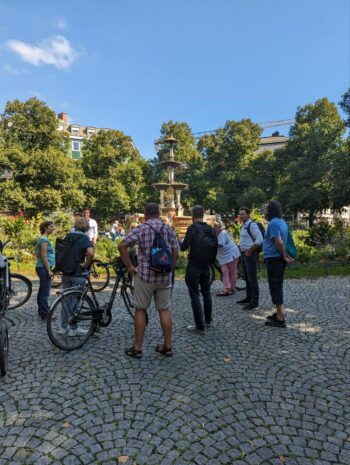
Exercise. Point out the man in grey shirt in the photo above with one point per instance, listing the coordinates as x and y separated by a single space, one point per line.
250 241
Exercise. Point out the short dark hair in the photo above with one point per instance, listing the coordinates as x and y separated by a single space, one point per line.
44 225
197 211
273 210
152 209
87 209
77 213
246 209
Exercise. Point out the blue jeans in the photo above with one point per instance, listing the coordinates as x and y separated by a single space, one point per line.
70 302
250 265
43 292
199 277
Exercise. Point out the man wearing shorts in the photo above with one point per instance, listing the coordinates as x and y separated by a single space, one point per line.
147 282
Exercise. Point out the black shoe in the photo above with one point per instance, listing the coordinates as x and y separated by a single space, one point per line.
276 323
272 317
250 307
209 323
243 301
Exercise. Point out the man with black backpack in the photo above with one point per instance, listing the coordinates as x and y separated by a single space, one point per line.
74 255
250 244
202 241
156 259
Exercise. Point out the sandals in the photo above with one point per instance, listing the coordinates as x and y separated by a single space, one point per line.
161 349
224 293
131 352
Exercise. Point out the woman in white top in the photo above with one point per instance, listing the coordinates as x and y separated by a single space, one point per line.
227 256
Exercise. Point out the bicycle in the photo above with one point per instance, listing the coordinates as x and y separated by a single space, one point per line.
76 314
240 284
99 272
8 291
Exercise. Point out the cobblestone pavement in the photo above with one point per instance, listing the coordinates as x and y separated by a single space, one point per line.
242 394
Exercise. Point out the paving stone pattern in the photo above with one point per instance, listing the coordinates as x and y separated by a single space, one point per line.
242 394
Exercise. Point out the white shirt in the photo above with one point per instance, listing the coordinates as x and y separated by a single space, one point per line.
227 250
92 231
245 240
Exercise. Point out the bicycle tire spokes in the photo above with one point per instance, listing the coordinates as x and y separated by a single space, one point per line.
71 321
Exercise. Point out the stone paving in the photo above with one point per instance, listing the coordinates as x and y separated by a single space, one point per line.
242 394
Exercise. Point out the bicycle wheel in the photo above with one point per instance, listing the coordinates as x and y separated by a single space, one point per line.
241 285
212 274
4 348
56 280
20 290
126 292
100 276
71 321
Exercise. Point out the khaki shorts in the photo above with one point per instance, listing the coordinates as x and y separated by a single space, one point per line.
143 293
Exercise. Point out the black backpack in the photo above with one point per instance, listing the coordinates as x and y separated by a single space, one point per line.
262 230
161 257
204 245
66 256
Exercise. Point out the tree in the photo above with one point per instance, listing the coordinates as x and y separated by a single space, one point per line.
227 154
114 171
43 177
345 106
32 125
308 158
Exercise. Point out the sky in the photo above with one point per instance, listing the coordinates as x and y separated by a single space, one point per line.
133 64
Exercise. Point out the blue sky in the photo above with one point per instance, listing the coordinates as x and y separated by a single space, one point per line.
130 65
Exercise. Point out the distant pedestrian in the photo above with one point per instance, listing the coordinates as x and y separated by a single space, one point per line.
227 256
92 232
202 243
276 259
44 264
76 216
149 283
250 242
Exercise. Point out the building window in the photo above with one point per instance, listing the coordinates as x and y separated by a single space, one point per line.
75 129
76 146
91 131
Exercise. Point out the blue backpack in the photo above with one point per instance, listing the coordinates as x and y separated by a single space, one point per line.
161 257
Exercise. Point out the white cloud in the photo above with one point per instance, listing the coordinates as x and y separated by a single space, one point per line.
60 23
55 51
10 69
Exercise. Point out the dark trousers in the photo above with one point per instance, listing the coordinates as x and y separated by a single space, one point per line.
250 265
43 292
275 274
199 277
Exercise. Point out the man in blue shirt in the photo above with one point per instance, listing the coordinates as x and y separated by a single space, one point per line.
276 259
250 241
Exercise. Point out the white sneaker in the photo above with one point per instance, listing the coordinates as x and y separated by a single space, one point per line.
77 332
63 330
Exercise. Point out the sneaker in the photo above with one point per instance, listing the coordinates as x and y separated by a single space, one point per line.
194 329
272 317
77 332
63 331
243 301
250 307
276 323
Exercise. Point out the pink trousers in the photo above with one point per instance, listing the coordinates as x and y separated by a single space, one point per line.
229 275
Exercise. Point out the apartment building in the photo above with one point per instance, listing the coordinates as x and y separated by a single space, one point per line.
77 134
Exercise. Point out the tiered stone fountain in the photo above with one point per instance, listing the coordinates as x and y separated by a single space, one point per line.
170 191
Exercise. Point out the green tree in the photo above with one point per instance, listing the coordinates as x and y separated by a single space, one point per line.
308 158
345 106
114 171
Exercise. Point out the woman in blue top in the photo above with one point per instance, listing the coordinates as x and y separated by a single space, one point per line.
45 262
276 259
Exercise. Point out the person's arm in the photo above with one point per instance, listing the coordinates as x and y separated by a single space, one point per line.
131 239
184 245
280 247
88 258
257 239
43 255
94 240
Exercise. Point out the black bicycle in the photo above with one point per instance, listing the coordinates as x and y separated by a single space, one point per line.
76 314
241 285
100 276
15 290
